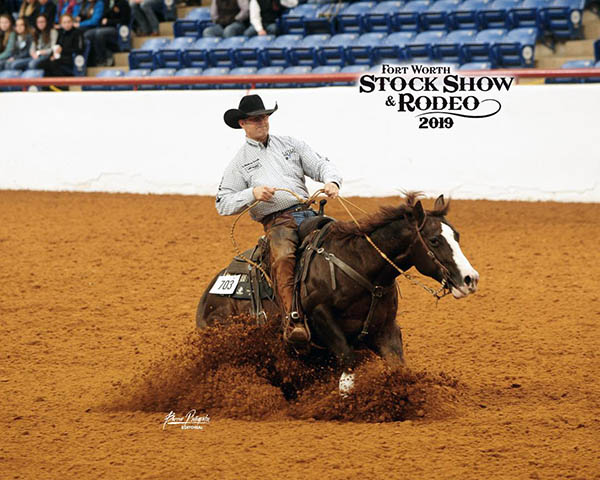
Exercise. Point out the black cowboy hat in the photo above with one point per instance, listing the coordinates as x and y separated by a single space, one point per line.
250 106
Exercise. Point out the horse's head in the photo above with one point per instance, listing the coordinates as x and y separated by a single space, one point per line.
436 251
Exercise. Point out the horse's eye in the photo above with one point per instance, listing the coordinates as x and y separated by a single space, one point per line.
435 241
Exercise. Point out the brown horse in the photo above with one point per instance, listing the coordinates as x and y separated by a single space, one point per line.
348 294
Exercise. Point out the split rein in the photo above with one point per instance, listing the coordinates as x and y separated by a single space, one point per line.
438 294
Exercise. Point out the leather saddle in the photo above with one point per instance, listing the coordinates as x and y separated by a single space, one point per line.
252 285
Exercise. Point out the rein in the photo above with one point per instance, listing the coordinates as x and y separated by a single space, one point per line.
438 294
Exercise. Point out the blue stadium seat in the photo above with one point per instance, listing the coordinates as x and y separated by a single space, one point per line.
391 48
80 60
422 46
306 52
144 57
185 72
481 49
223 53
213 72
196 56
276 53
527 14
293 21
326 69
35 73
466 15
240 71
379 18
351 69
171 55
334 51
295 70
407 18
517 48
449 49
136 72
193 23
250 54
268 71
437 16
325 19
476 66
497 15
117 73
8 74
360 51
562 18
350 20
124 36
568 65
159 72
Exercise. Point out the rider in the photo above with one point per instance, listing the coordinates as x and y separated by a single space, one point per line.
263 163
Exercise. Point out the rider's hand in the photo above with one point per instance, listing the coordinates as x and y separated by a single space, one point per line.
263 193
331 190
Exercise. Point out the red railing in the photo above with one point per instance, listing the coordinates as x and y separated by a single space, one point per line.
253 80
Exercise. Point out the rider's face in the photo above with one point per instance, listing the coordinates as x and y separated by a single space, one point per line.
256 128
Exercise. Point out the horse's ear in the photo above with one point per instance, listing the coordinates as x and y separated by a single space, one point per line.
439 203
419 213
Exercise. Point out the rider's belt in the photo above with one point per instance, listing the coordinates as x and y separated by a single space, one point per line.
272 216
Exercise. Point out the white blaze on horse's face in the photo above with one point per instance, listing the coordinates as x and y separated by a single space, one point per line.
468 275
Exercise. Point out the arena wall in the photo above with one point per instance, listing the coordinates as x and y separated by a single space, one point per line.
542 145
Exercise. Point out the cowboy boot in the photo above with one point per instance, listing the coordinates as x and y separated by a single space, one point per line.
295 331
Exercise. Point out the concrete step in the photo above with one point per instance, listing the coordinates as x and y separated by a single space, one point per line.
93 71
121 59
137 42
166 28
575 48
591 25
558 61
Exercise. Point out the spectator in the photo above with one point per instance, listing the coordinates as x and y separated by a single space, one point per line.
46 8
144 14
105 36
68 7
264 15
44 39
230 18
88 14
19 59
28 11
70 41
7 38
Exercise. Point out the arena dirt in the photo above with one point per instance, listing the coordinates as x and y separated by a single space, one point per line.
98 295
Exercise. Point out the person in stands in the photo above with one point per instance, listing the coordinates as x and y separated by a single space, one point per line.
7 38
230 18
20 58
264 15
46 8
104 39
70 41
28 11
145 15
69 7
44 39
88 15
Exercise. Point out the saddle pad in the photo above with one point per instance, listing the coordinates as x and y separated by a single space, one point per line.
243 290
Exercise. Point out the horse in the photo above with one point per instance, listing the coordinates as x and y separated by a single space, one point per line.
347 291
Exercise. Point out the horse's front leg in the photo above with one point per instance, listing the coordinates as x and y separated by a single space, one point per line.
330 333
386 340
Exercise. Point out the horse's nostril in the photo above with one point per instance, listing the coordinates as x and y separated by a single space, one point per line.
468 280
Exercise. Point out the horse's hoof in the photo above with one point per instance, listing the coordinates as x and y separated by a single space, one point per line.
346 384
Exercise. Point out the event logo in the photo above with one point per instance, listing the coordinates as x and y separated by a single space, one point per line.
189 422
436 95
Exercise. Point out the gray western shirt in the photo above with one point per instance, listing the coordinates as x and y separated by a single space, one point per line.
283 163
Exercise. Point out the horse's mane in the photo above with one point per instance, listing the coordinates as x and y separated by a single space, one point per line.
384 216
